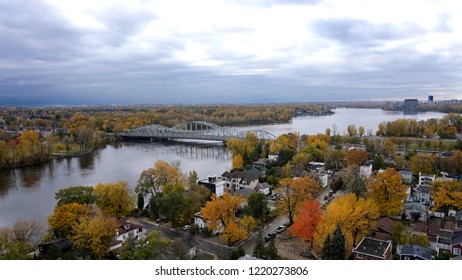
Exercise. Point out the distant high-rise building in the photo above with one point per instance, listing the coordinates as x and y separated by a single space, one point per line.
430 98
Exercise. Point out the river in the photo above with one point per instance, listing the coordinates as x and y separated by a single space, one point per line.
28 193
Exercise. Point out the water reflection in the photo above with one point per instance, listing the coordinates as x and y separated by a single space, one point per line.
28 193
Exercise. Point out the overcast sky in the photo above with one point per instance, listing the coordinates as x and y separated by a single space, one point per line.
228 51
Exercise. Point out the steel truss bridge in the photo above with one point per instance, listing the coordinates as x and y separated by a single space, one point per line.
196 130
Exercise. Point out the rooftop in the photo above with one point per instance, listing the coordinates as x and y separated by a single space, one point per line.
418 251
373 247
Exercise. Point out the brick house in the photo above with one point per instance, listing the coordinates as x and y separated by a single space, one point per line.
372 249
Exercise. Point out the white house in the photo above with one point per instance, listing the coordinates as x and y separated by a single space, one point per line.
215 184
426 179
264 188
201 223
236 180
423 194
406 176
125 230
365 170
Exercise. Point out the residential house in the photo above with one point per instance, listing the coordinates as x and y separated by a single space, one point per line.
261 164
128 229
415 252
420 228
426 179
383 229
459 219
125 230
434 229
317 166
406 176
263 188
444 240
215 184
415 210
201 223
456 243
236 180
423 194
372 249
365 170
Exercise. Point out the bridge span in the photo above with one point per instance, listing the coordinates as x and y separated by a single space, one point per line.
196 130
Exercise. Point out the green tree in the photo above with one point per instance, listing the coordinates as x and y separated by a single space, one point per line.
326 252
257 206
338 244
259 249
148 247
77 194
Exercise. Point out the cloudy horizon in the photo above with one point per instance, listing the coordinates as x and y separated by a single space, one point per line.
228 51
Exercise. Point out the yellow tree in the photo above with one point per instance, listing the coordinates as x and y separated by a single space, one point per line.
65 216
295 191
447 194
221 212
356 218
238 162
388 192
95 234
152 180
115 199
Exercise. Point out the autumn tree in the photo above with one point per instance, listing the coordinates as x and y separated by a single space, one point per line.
198 195
352 130
237 162
76 194
447 195
152 180
388 192
95 234
335 158
307 220
221 212
456 162
115 199
421 164
356 217
65 216
356 157
293 192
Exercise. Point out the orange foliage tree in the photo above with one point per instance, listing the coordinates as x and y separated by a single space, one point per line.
65 216
356 157
293 192
220 212
307 220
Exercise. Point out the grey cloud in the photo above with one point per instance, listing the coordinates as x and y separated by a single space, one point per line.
355 31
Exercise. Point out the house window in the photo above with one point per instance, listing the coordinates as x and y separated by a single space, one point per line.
456 251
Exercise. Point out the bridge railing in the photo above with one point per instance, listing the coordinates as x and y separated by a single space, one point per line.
193 130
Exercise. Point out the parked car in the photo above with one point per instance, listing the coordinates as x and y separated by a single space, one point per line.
269 237
186 227
281 229
274 197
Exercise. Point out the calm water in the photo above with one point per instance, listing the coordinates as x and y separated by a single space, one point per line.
28 193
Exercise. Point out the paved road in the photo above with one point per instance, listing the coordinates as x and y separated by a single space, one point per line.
222 251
